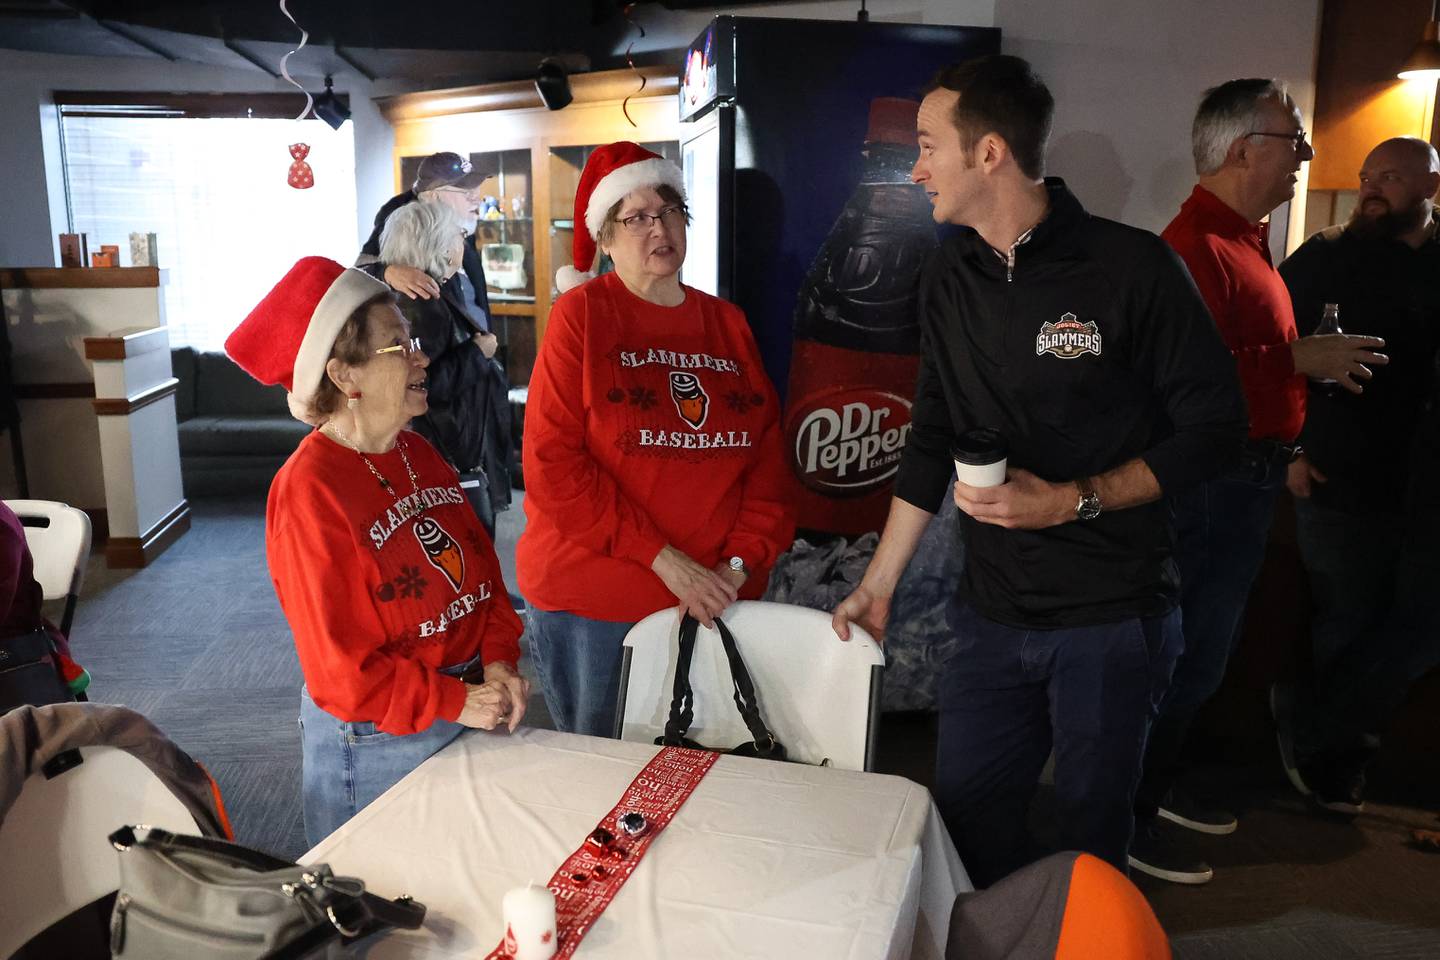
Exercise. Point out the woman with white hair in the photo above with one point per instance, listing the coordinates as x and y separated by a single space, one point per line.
468 402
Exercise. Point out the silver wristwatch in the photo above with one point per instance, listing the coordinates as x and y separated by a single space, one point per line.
1089 506
738 565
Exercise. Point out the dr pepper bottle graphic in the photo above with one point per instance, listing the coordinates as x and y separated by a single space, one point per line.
857 337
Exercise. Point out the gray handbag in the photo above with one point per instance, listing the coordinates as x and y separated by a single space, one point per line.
184 897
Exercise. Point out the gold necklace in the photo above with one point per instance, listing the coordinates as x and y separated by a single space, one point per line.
384 484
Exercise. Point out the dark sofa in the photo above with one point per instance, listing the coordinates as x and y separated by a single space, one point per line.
234 433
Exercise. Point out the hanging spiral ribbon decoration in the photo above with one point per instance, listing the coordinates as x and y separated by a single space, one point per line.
285 60
625 104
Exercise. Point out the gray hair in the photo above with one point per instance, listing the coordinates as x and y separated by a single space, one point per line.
1227 113
420 235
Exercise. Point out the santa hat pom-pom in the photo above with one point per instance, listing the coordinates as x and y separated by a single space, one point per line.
303 411
568 278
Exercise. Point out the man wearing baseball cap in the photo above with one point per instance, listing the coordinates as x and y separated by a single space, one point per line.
450 179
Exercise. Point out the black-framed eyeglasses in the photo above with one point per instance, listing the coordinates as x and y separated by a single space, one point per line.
1297 140
407 349
639 223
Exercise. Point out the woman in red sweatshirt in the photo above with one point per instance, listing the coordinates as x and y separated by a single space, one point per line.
390 584
654 474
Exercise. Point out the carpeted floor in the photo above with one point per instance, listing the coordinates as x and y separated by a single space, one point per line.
197 642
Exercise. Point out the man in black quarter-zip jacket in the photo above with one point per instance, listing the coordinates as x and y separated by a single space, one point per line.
1085 344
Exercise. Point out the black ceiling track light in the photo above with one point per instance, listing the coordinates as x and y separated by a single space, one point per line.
329 107
553 85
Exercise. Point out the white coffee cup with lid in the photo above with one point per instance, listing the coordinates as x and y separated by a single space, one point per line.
980 456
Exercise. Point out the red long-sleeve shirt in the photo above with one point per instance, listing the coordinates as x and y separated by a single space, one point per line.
647 425
379 593
1229 257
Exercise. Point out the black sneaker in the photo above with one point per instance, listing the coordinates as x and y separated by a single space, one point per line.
1336 788
1159 850
1282 708
1181 808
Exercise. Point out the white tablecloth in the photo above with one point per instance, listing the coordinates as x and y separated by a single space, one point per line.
765 859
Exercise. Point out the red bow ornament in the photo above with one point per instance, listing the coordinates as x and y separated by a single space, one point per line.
301 176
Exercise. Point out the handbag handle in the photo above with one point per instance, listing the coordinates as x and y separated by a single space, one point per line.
682 701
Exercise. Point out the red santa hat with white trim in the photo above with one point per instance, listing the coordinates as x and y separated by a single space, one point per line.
288 337
612 171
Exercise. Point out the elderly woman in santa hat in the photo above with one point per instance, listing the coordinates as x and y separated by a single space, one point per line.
654 474
402 624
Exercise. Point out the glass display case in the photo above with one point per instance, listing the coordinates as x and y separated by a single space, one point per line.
505 240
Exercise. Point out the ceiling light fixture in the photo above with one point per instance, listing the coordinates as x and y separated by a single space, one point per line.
329 107
1424 61
553 85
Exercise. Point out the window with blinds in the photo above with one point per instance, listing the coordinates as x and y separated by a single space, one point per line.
213 187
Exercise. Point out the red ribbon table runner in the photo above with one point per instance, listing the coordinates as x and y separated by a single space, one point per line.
591 876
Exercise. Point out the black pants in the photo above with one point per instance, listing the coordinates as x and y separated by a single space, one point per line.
1220 531
477 491
1375 628
1007 696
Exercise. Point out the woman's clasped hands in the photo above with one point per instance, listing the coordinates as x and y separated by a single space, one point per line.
500 699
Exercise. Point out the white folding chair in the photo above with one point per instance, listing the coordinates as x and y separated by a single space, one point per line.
819 695
59 539
53 842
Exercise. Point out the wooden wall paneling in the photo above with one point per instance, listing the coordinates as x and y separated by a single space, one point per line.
1358 100
544 264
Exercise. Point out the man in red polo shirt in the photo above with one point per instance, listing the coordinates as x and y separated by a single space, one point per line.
1248 145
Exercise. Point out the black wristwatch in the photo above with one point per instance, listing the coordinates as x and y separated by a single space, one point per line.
1089 506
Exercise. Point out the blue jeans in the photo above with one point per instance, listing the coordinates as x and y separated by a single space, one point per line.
1374 626
577 662
1220 532
1008 695
347 765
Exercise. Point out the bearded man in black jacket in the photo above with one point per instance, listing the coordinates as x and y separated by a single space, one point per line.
1065 617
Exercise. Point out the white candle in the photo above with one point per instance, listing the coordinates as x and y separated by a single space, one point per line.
530 923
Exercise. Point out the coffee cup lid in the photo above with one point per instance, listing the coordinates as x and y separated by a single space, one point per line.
979 447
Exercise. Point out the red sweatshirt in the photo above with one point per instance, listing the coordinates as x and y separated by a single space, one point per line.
1229 257
381 594
21 597
647 425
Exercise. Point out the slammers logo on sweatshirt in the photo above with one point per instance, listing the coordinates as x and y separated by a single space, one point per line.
707 395
691 400
410 506
441 550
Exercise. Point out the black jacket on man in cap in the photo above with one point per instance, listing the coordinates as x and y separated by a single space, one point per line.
1145 375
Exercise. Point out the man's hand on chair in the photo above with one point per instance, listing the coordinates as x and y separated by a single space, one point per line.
867 607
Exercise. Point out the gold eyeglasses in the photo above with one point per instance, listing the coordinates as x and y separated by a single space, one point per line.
407 349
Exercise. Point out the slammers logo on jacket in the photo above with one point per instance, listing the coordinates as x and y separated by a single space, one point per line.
1068 338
